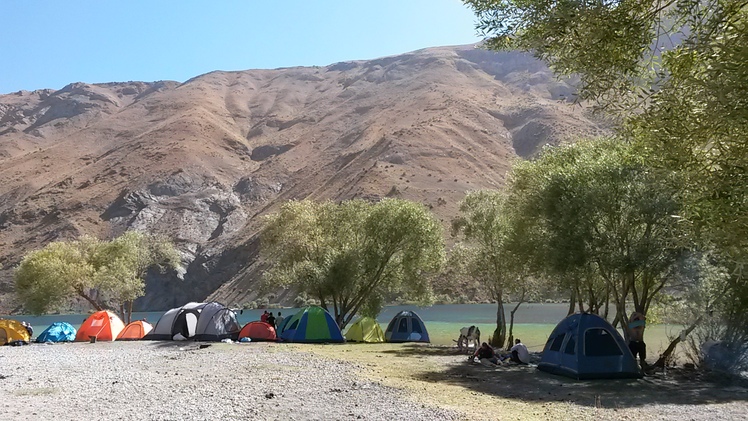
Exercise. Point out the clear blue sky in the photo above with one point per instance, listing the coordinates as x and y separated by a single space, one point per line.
50 43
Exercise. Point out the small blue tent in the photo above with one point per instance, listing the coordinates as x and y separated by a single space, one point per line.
406 326
311 324
58 332
586 346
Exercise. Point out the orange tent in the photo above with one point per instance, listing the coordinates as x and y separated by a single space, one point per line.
134 331
104 325
258 331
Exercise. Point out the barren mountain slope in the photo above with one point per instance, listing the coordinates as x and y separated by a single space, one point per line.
202 160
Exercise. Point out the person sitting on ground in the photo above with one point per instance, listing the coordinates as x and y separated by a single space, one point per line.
485 352
29 328
519 353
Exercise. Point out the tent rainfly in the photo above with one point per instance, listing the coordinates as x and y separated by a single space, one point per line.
57 332
199 321
365 329
586 346
104 325
406 326
311 324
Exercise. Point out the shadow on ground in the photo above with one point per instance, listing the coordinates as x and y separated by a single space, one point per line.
527 383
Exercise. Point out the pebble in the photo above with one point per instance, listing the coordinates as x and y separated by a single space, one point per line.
159 381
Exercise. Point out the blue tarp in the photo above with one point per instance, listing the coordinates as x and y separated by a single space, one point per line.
58 332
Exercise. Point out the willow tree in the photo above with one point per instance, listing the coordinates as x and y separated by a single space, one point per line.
601 207
48 278
107 274
124 262
674 75
354 254
488 252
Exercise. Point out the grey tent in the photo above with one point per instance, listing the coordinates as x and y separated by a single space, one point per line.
217 322
586 346
198 321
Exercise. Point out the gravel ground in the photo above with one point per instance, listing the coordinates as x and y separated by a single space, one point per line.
177 381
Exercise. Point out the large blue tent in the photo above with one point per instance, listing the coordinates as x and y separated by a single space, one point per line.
58 332
586 346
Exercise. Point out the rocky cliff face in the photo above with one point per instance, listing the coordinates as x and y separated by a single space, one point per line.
203 160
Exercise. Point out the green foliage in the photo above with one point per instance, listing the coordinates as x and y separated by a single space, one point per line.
601 220
104 273
492 252
355 253
46 278
675 75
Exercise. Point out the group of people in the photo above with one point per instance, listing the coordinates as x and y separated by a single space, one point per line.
518 354
273 321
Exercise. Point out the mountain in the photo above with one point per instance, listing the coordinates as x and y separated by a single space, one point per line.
202 161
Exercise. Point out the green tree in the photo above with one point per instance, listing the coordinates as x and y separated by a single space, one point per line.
124 262
603 213
674 74
47 278
105 273
354 254
489 253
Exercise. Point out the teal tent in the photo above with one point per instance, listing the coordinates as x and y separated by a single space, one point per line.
586 346
311 324
58 332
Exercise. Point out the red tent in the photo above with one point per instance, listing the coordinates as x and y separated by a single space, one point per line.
258 331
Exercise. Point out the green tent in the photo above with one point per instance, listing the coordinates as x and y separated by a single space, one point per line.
365 329
311 324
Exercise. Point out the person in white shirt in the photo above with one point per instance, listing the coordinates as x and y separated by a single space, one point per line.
520 354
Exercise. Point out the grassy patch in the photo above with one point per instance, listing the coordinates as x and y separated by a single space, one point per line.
429 373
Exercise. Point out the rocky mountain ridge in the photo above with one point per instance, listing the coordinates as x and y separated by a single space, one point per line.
202 161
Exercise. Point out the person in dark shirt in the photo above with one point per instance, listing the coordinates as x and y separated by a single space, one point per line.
485 352
271 320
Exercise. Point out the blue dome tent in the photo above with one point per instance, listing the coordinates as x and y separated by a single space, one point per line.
406 326
58 332
586 346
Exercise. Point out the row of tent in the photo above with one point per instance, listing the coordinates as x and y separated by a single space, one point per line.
582 346
215 322
103 325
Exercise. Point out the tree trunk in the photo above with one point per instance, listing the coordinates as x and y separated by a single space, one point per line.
607 301
572 302
129 312
665 355
90 300
122 312
499 335
511 323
